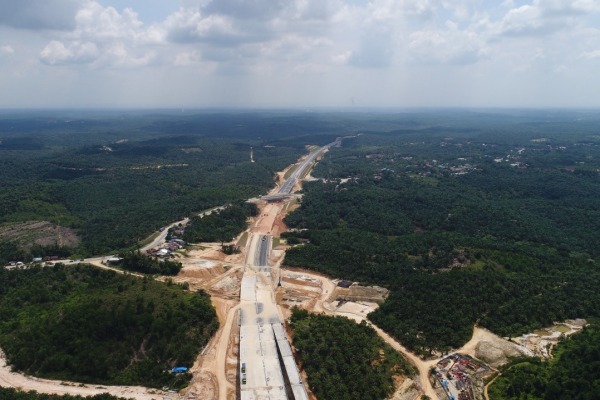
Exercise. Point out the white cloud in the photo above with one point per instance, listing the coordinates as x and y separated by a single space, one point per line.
188 25
387 10
234 23
590 55
376 50
186 59
104 37
543 17
56 53
527 20
341 58
118 55
561 68
324 45
6 51
563 8
313 10
273 33
98 23
449 46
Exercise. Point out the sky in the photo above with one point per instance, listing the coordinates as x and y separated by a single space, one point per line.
299 53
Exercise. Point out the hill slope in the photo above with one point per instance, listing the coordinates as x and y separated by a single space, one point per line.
89 325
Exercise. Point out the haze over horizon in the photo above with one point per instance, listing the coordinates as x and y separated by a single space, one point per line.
299 53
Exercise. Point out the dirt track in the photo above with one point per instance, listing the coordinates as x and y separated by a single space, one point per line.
15 380
323 305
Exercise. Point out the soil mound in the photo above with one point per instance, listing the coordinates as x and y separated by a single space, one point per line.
497 352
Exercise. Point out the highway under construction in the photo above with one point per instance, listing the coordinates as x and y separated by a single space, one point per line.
285 190
267 369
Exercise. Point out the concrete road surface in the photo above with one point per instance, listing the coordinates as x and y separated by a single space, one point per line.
264 248
261 375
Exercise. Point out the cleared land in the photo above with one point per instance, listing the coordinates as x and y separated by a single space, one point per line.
41 233
216 371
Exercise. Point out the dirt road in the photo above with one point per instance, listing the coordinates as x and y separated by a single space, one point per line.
487 386
158 240
16 380
222 350
322 305
422 366
479 335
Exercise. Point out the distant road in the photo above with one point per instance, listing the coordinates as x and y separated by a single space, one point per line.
286 189
163 235
97 261
290 182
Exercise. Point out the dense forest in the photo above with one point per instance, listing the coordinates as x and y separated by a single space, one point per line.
135 261
572 374
90 325
343 359
13 394
221 225
111 179
496 224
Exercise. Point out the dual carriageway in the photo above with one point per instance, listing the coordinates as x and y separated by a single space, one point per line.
285 190
267 369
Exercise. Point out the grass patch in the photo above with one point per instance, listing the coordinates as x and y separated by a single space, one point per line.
307 171
243 240
542 332
477 265
290 171
149 239
183 252
291 205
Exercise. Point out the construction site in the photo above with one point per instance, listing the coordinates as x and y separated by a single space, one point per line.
251 356
461 377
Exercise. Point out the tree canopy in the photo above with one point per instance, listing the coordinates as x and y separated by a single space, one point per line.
135 261
221 225
573 373
85 324
480 227
345 360
14 394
